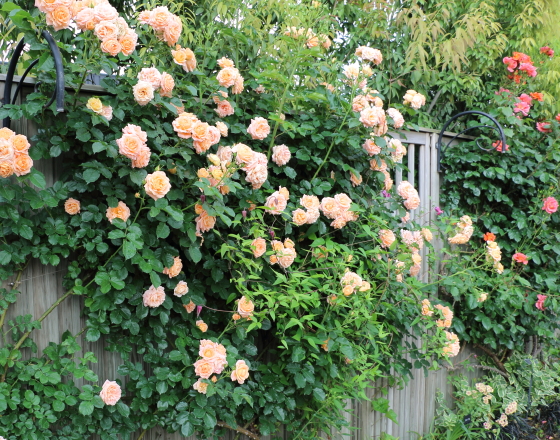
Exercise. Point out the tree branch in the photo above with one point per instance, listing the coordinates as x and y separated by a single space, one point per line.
493 356
240 430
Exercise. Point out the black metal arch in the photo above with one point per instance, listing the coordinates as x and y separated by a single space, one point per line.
497 127
58 93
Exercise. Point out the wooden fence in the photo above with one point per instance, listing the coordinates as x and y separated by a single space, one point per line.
41 286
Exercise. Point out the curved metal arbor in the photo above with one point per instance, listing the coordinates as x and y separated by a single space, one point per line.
497 127
58 93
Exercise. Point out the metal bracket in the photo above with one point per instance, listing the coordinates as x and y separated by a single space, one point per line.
497 127
58 93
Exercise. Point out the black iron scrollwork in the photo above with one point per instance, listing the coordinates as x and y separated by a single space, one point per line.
497 127
58 93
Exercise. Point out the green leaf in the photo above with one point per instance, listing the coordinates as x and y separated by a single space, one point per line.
91 175
209 420
58 405
319 394
5 258
123 409
37 178
86 408
187 429
162 230
195 254
129 250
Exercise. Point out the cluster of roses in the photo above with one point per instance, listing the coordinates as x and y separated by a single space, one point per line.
351 282
277 201
133 144
95 105
168 26
465 231
175 269
204 222
310 214
254 164
229 76
14 154
451 349
151 80
155 297
376 164
204 135
337 209
95 15
311 39
184 57
415 242
523 106
224 106
284 253
414 99
410 195
213 361
519 63
493 252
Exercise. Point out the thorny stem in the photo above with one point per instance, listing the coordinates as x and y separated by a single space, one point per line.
16 283
239 429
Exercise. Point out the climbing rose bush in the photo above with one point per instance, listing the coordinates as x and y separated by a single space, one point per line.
228 217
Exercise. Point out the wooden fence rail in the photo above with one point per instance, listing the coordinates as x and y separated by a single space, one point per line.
41 286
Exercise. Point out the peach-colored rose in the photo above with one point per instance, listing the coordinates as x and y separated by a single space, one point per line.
258 245
223 129
406 190
396 116
6 168
224 109
348 290
159 18
110 393
310 202
203 367
276 203
398 150
237 85
180 55
281 155
167 85
107 112
370 147
172 31
22 164
150 75
227 76
128 44
372 116
154 297
289 244
243 154
120 211
343 201
143 92
257 176
412 203
105 30
157 185
104 11
6 133
356 179
202 326
204 222
174 270
201 387
129 145
144 17
207 349
273 259
95 105
387 237
200 131
241 372
259 128
181 289
72 206
46 5
183 125
329 207
376 166
352 71
277 245
225 62
142 158
85 19
286 257
189 307
137 131
236 317
113 47
299 217
245 307
7 151
214 135
59 18
312 216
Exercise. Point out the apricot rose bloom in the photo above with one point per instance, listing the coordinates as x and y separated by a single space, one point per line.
72 206
22 164
200 386
189 307
110 393
181 289
120 211
387 237
95 105
245 307
143 92
299 217
281 155
310 202
241 372
276 203
259 128
154 297
204 368
202 326
227 76
157 185
259 247
112 47
174 270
